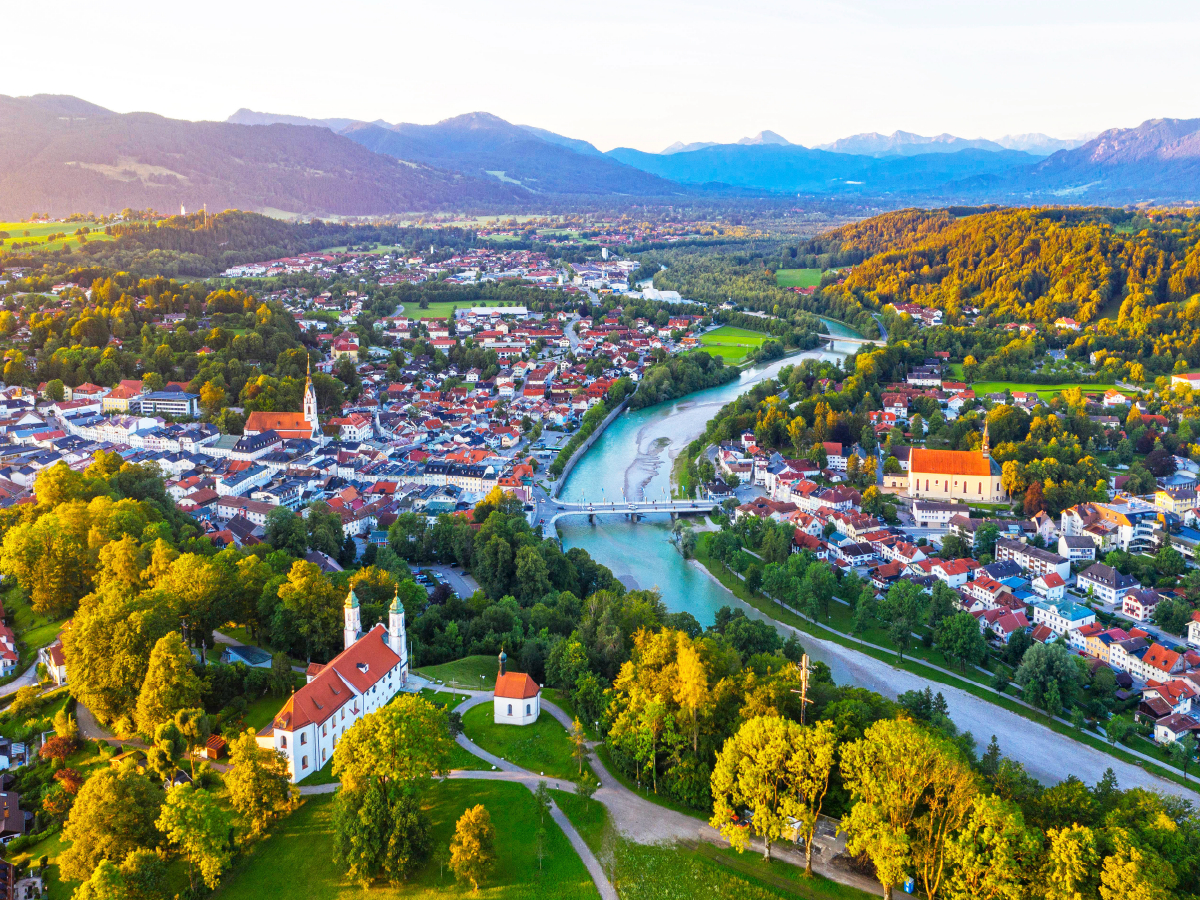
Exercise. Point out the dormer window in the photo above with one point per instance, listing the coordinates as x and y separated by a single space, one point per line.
364 667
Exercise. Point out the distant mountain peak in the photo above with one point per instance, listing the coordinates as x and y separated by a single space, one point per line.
905 143
765 137
681 147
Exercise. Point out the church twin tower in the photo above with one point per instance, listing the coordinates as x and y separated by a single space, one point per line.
396 638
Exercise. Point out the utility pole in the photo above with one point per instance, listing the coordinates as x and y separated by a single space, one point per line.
805 669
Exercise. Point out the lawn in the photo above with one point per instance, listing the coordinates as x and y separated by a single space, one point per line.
732 344
542 747
686 870
443 309
39 231
477 673
33 629
1042 390
296 862
798 277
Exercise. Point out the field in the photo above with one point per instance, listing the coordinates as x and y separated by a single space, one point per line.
477 673
798 277
296 862
542 747
732 344
442 309
1045 391
38 232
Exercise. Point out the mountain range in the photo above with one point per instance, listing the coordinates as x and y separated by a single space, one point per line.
61 154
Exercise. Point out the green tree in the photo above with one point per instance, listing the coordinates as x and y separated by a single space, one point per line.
379 835
1045 665
286 531
913 792
195 823
473 849
779 770
164 754
1135 872
105 883
170 684
406 743
1071 857
309 606
992 858
113 815
260 789
959 638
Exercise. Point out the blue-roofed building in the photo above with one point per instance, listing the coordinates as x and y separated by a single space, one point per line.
1062 616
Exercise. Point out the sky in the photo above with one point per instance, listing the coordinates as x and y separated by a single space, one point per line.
633 73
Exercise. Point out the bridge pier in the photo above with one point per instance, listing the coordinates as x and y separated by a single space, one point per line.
591 518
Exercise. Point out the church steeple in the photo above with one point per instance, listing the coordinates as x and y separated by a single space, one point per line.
353 619
310 402
397 635
986 449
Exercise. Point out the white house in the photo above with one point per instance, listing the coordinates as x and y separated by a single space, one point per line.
1051 586
1062 617
1104 583
358 681
517 699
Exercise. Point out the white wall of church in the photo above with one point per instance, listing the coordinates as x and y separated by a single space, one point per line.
510 711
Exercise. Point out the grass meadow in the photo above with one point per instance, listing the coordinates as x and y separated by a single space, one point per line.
732 344
296 861
798 278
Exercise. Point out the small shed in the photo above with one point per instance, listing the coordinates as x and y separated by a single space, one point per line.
214 747
253 657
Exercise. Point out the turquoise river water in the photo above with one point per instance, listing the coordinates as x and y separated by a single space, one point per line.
633 458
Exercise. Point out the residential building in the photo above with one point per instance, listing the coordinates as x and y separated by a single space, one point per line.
1104 583
1032 559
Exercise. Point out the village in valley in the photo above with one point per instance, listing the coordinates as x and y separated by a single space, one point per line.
292 553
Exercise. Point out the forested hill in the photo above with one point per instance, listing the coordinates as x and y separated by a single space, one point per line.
1021 265
201 245
61 155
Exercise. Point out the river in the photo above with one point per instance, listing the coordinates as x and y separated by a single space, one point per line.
634 456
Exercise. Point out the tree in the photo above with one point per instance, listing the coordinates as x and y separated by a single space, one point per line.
193 821
991 858
954 547
406 742
1170 562
286 531
55 390
472 851
541 796
579 748
170 684
376 834
309 606
1046 665
1118 728
1135 872
777 769
913 793
1172 614
958 637
1035 501
163 756
260 789
691 687
113 815
105 883
195 729
1071 860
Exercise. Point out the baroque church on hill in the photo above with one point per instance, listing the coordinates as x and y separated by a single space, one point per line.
364 677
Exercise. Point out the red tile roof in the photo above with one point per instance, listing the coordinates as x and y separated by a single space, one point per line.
516 686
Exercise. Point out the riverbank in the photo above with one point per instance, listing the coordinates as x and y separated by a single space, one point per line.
973 707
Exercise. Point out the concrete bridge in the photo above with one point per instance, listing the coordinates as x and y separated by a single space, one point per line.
634 510
838 339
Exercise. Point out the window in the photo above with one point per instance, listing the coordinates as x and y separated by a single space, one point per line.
526 709
303 738
304 762
283 742
981 487
323 754
510 709
324 729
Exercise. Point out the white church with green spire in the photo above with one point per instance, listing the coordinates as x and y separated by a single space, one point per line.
364 677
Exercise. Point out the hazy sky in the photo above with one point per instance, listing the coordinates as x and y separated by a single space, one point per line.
626 73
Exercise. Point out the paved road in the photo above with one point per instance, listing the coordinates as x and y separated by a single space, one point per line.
25 679
461 583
